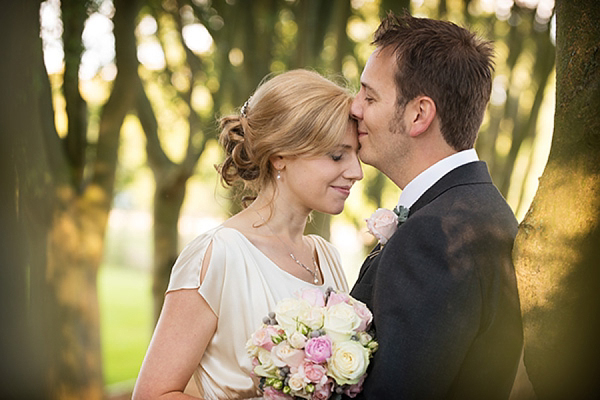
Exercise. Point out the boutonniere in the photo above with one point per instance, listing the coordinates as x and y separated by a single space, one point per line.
383 222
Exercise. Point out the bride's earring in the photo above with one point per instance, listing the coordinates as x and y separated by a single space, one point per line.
278 175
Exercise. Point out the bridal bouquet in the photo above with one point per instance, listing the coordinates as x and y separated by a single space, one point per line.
314 346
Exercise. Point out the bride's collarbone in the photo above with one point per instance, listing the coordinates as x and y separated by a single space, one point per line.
282 257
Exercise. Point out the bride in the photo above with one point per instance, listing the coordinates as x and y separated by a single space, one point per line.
295 146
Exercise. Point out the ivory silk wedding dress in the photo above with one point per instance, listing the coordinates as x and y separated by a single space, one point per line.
242 285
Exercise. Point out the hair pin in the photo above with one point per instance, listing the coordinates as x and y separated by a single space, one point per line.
244 109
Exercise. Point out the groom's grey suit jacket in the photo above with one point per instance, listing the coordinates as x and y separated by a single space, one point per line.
444 296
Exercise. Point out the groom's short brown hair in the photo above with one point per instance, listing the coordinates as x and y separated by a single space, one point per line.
445 62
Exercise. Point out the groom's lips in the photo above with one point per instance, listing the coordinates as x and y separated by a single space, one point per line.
361 133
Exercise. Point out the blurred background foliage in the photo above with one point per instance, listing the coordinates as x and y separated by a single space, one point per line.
137 86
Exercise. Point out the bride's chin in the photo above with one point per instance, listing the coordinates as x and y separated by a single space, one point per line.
332 210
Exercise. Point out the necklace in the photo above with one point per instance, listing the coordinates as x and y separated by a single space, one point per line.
292 256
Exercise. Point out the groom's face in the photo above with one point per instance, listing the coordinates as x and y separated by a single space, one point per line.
381 127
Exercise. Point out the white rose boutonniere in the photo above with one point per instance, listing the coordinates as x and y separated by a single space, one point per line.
382 224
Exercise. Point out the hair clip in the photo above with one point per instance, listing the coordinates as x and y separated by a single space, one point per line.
244 109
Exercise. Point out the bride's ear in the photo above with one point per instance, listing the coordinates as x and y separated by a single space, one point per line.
277 162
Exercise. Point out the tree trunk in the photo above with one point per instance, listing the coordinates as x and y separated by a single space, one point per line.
74 255
168 198
24 212
75 241
556 251
74 14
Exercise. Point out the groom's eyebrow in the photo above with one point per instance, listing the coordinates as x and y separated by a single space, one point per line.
369 88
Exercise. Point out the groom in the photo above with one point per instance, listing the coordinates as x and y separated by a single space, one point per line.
443 289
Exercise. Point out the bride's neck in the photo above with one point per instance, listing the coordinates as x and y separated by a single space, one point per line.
282 219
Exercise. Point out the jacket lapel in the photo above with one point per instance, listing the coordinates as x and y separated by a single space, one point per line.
468 174
472 173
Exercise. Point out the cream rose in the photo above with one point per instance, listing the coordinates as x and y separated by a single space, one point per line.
287 311
348 362
297 340
267 365
296 382
382 224
341 321
313 318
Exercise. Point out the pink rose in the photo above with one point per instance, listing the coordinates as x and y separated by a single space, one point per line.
272 394
365 315
286 355
315 373
353 390
337 298
262 337
318 349
322 392
314 297
382 224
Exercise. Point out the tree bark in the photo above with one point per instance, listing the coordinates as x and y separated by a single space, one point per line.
75 241
556 251
24 212
74 14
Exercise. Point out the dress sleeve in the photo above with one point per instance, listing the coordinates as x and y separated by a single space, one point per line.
187 269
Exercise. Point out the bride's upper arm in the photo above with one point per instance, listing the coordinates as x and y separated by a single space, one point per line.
184 329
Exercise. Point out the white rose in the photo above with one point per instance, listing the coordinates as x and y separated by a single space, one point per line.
296 382
288 311
251 348
382 224
341 321
348 363
297 340
267 367
313 318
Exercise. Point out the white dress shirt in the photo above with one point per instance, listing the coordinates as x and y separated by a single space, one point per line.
431 175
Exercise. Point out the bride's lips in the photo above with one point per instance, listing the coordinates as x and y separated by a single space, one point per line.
345 190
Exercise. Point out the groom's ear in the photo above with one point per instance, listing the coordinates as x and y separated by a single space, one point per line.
421 111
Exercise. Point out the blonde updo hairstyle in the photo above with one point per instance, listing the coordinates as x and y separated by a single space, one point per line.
297 113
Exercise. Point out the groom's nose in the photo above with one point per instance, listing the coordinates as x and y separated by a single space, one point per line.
356 109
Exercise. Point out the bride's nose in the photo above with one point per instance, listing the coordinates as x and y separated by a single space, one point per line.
354 171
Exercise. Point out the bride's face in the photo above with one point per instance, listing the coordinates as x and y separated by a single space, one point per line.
323 183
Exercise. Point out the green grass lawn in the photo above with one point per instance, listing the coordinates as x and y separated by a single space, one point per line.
126 322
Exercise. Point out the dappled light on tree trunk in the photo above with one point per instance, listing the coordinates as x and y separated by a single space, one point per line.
557 248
